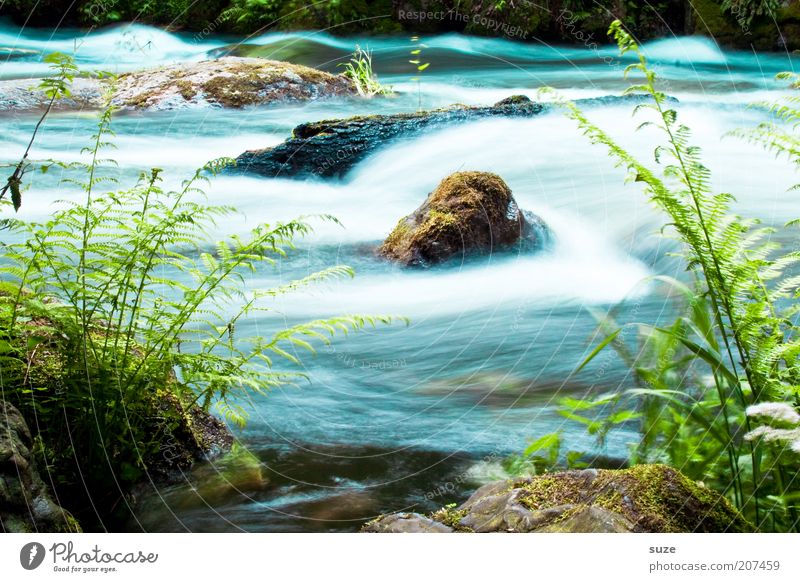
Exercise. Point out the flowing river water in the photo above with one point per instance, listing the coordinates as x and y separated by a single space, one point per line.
413 417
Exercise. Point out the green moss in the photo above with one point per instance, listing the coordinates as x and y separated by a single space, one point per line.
711 20
236 91
399 236
450 516
71 525
436 223
186 89
655 498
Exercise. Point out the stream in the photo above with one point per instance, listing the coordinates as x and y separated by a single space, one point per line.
414 417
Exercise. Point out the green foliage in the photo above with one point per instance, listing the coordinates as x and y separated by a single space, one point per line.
736 343
54 88
543 455
416 61
119 314
746 10
359 69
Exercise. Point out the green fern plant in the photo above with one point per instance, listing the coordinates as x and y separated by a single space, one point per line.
117 305
737 335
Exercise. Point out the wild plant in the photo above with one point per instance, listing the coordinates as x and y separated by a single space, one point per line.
359 70
55 88
122 310
735 344
416 60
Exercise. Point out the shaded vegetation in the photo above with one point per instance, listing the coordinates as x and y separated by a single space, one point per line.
736 22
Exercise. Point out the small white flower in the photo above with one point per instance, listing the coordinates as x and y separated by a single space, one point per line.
771 434
757 432
779 411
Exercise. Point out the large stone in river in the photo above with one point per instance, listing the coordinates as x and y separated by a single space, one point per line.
332 147
469 213
228 82
644 498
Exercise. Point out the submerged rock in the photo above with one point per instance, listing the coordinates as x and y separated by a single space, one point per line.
26 504
332 147
225 82
468 213
645 498
8 53
233 475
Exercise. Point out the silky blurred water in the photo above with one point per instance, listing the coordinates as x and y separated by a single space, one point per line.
391 414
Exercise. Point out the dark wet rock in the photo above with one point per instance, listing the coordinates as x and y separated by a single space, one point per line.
231 475
230 82
26 504
468 213
332 147
645 498
189 436
406 523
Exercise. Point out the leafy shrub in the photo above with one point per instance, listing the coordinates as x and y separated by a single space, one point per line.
736 343
116 306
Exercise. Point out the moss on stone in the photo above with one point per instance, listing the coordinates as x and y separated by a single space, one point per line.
186 89
468 212
655 498
451 516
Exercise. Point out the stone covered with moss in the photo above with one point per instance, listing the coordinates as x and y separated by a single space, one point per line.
97 442
468 213
644 498
26 504
779 31
228 82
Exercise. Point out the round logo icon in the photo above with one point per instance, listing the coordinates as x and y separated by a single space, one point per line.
31 555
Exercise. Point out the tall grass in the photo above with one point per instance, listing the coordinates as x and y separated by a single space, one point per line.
359 70
735 345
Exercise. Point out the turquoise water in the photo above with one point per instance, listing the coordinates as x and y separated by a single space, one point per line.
393 415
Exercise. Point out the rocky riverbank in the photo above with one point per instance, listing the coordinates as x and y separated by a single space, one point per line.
645 498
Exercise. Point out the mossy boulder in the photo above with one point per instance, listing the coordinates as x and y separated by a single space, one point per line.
469 213
95 456
779 30
644 498
229 82
26 503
